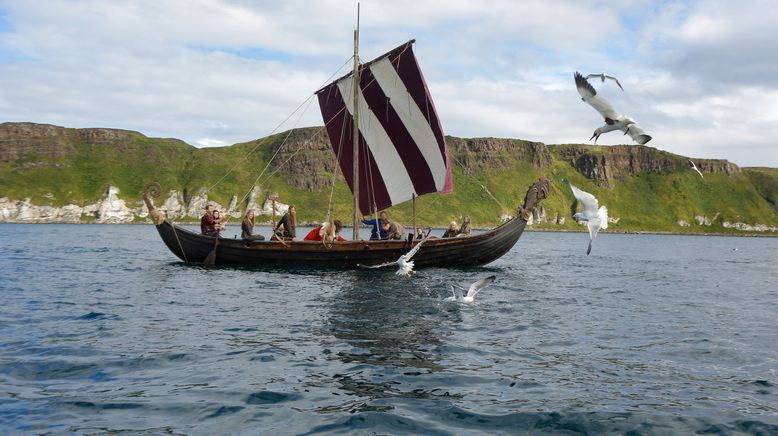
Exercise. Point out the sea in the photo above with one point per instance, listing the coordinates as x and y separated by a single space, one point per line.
103 330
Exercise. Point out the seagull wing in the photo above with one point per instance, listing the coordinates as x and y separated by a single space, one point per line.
457 292
636 132
589 95
588 200
378 266
593 228
415 249
477 286
615 80
694 167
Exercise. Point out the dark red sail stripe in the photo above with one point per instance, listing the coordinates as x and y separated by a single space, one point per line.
409 71
412 158
339 124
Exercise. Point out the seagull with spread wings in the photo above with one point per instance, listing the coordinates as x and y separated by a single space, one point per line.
404 262
694 167
604 76
613 119
596 219
474 289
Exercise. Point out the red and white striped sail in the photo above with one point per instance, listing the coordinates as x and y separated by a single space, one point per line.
402 151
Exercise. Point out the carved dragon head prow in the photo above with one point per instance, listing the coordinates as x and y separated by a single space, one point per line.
536 193
153 190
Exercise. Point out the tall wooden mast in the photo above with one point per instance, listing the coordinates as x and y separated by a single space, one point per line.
355 168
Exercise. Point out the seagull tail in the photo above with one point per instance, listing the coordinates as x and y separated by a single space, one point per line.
602 213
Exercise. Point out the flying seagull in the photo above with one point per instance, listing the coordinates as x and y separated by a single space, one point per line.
404 262
604 76
474 289
694 167
613 119
595 219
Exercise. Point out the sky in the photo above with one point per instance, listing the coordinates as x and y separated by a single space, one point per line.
700 77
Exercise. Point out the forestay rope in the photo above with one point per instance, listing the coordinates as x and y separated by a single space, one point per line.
307 103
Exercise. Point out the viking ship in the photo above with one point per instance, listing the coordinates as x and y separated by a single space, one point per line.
390 147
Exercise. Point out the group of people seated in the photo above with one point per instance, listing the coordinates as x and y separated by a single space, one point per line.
454 231
212 224
383 229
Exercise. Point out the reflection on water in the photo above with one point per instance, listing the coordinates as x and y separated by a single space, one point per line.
384 323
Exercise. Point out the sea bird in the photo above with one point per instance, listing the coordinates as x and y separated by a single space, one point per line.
596 219
604 76
694 167
613 119
474 289
404 262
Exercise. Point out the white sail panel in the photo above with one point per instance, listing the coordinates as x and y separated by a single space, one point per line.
412 117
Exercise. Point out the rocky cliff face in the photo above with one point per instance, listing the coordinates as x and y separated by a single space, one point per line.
604 165
309 159
490 153
17 140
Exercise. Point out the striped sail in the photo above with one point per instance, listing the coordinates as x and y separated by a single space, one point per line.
402 151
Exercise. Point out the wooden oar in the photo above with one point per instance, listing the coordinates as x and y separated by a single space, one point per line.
210 260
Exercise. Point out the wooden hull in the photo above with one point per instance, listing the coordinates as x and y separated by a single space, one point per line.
466 251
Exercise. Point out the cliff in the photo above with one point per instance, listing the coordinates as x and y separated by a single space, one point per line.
609 165
55 174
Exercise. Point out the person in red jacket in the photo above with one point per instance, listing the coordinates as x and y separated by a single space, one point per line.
326 232
209 224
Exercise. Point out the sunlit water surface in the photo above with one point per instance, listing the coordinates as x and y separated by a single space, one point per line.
103 329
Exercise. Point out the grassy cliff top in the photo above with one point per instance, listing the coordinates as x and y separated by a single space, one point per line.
644 187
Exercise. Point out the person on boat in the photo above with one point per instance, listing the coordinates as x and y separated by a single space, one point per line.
247 228
452 231
326 232
466 228
289 224
209 222
380 226
420 233
220 225
396 231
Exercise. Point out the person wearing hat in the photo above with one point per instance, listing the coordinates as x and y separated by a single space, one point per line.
209 222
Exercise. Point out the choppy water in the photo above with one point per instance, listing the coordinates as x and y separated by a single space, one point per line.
102 329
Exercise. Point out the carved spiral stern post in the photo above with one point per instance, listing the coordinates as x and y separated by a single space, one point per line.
153 190
536 193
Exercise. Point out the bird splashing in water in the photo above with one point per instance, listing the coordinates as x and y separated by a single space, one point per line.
459 297
404 262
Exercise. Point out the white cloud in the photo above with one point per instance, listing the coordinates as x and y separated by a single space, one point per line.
210 142
699 77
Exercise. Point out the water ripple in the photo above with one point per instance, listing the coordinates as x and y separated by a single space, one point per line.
109 338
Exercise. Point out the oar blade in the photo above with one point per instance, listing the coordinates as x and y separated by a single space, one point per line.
210 260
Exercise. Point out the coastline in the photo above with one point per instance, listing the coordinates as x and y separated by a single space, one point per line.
479 229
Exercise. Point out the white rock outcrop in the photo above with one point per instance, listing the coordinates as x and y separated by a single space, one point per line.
173 205
112 209
267 208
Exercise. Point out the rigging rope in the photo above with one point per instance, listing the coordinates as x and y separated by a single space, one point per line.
307 100
481 184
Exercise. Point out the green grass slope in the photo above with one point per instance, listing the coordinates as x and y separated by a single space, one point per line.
75 169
